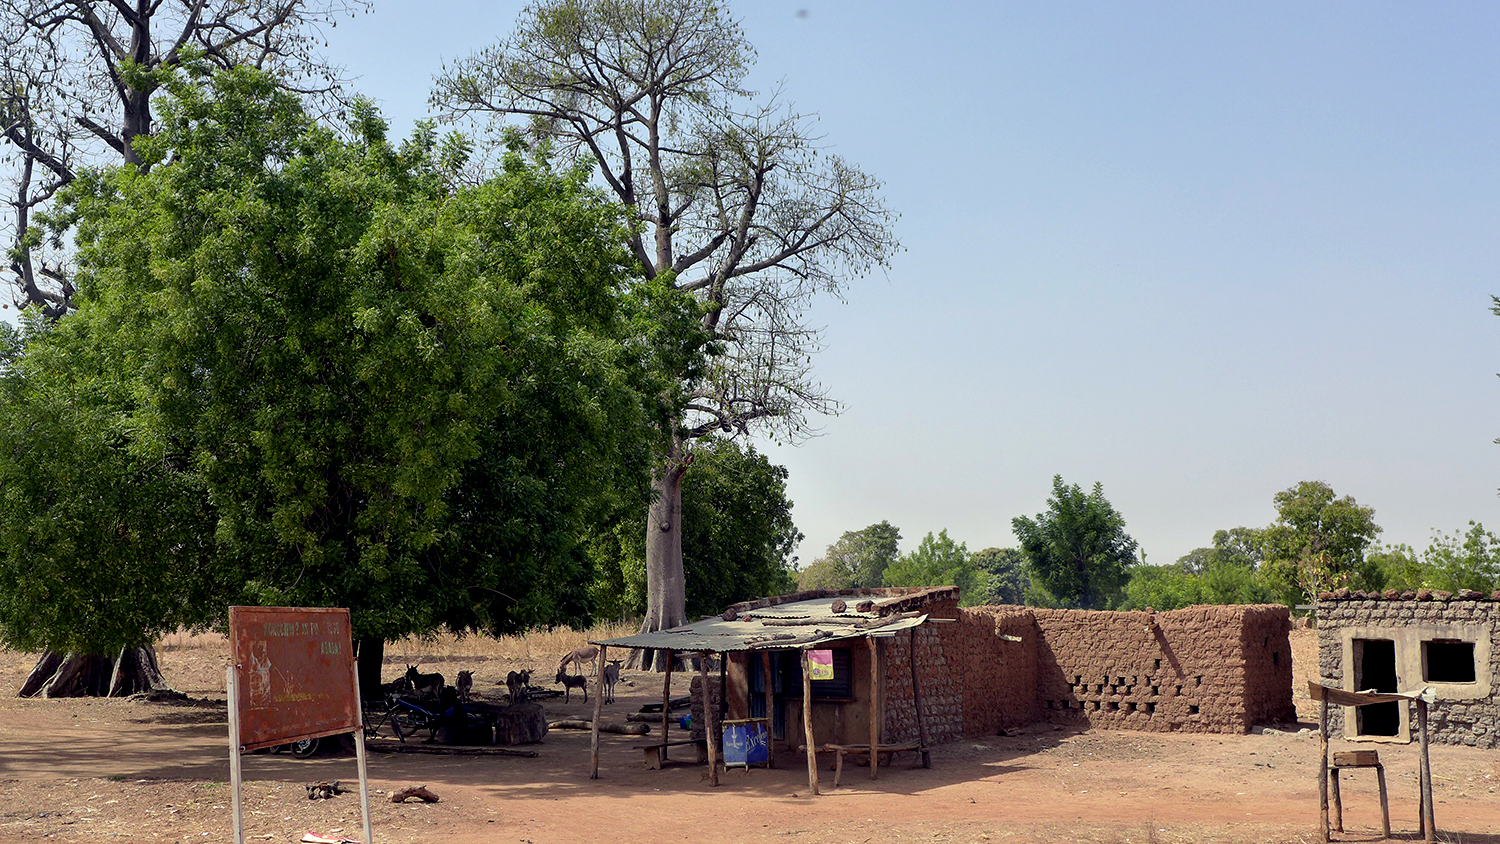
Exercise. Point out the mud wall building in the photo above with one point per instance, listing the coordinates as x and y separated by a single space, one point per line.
1401 641
983 669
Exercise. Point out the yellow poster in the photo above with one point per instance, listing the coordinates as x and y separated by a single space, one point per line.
821 664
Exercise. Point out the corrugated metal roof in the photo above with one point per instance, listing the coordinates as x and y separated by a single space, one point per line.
792 625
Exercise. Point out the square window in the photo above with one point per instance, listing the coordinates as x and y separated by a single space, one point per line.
1448 661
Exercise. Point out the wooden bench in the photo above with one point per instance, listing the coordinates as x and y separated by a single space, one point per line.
842 750
1358 759
656 754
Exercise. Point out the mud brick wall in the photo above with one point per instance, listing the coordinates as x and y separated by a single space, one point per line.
1200 669
999 676
1463 713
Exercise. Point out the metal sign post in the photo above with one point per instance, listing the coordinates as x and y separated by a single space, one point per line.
292 676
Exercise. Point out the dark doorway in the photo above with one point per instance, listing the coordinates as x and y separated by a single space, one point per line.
1375 669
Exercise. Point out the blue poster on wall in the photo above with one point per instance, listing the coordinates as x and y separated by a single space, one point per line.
745 744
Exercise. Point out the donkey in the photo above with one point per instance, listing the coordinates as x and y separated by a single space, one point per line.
571 680
580 658
423 684
518 682
464 684
611 677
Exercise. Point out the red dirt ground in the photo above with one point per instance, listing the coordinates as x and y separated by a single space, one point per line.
120 770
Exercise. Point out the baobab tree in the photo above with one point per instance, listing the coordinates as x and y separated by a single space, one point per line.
736 202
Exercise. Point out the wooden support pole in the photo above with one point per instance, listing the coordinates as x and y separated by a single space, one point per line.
237 815
1323 772
1385 802
708 719
916 701
807 728
666 699
874 707
1429 823
770 692
598 708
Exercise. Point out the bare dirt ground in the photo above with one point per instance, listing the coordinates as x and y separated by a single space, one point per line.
120 770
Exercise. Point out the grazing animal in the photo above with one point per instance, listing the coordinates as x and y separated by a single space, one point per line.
464 684
517 682
611 677
581 658
571 680
398 686
424 684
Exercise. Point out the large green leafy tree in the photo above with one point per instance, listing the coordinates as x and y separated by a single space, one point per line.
738 536
939 561
1318 541
1077 549
1005 574
306 371
858 559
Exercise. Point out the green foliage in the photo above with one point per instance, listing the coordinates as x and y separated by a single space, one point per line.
939 561
1005 572
737 536
1078 551
858 559
1181 585
1318 542
313 372
1468 560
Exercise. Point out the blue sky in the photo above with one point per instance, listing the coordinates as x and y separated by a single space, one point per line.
1195 252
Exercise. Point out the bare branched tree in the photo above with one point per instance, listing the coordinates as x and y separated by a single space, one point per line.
77 79
738 204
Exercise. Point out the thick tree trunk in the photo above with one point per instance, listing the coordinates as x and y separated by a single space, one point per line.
666 595
130 671
370 658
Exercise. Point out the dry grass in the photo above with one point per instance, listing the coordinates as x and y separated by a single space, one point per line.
534 646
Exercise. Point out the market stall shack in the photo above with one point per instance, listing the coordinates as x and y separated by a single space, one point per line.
1217 669
1389 641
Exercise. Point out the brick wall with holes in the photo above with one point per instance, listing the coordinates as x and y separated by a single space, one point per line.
1402 641
1200 669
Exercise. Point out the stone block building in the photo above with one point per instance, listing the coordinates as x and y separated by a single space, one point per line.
1403 641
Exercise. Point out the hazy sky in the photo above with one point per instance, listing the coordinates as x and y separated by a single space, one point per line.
1197 253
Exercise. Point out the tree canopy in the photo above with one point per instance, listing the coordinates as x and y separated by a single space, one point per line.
939 561
1318 541
1077 549
858 559
311 371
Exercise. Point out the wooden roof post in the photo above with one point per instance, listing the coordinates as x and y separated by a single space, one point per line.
916 702
807 728
598 704
666 697
874 706
1429 823
1323 770
765 673
708 719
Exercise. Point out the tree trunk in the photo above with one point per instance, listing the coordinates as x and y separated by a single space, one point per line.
130 671
666 595
370 658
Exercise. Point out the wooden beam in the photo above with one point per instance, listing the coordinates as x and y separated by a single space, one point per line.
1323 772
598 706
807 728
916 701
666 697
874 708
1429 823
765 673
708 719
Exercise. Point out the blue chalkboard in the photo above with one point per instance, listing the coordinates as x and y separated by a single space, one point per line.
745 744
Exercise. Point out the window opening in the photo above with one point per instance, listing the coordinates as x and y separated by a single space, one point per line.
1375 669
841 687
1448 661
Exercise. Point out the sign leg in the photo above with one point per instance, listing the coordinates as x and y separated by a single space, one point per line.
231 687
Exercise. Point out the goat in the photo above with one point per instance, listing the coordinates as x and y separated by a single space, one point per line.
611 677
422 684
580 658
518 682
571 680
464 684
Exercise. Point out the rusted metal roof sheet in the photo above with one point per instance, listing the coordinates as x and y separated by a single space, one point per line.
797 624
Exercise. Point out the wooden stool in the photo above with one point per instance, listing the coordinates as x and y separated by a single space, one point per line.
1358 759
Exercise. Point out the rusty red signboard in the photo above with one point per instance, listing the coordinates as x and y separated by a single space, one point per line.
295 672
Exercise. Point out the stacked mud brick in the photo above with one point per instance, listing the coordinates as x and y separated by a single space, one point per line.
1201 669
1467 706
